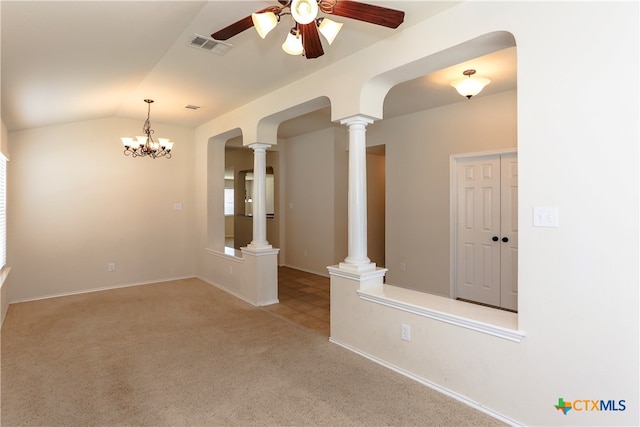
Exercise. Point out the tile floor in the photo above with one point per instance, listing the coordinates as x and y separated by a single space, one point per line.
304 299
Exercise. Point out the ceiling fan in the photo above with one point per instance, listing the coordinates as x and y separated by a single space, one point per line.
304 38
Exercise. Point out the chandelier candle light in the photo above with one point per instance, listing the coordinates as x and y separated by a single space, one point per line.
142 146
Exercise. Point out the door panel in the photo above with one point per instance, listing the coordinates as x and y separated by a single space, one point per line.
509 227
478 272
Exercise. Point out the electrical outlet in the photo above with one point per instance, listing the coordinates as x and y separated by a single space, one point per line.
111 267
405 332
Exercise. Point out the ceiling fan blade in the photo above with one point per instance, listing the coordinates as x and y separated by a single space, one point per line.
372 14
241 25
311 40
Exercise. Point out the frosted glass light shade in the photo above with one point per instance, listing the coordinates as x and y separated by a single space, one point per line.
293 45
141 140
470 86
304 11
264 22
168 146
127 142
329 29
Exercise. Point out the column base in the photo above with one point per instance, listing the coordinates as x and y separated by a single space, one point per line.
361 268
366 279
258 247
260 275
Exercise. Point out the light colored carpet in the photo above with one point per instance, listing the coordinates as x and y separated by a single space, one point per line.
184 353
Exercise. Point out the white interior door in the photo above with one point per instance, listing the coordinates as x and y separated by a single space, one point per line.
509 231
478 222
486 227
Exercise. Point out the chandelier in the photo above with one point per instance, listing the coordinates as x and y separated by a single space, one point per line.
142 146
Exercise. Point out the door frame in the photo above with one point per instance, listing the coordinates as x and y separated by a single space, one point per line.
453 207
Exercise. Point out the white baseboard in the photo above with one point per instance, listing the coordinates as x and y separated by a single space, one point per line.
229 291
475 405
323 274
104 288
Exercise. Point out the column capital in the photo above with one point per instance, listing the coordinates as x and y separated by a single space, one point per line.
359 119
259 146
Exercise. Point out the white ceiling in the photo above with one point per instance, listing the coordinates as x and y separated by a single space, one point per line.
66 61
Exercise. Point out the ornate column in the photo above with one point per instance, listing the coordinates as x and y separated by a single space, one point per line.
259 195
357 259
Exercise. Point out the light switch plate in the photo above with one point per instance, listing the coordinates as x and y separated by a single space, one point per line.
545 216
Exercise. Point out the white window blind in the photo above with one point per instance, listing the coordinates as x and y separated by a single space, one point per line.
3 211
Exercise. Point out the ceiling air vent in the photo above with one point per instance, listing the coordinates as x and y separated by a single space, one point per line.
209 44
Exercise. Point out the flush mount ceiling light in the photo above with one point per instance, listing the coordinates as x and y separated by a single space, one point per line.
470 86
304 38
145 146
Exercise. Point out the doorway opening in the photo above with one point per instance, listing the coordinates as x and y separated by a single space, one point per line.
376 201
238 195
484 234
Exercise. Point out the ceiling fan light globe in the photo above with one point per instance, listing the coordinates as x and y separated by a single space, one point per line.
329 29
470 86
264 22
304 11
293 45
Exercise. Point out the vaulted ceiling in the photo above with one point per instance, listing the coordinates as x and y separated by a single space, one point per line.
66 61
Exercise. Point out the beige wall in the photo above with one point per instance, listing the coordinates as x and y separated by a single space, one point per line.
4 141
76 204
376 210
4 290
340 189
418 147
313 195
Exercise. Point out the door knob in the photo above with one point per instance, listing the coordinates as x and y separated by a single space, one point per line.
505 239
494 238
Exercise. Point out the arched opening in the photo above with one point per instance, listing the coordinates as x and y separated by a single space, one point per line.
427 126
238 195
